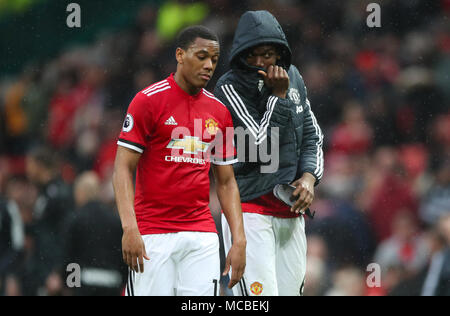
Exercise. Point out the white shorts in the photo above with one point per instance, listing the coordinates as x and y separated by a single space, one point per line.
276 255
181 264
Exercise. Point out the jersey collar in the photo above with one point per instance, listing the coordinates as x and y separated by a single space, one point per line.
175 85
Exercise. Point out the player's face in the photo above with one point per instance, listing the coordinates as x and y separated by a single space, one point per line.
262 56
199 61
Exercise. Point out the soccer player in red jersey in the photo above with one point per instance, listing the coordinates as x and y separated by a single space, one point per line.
174 131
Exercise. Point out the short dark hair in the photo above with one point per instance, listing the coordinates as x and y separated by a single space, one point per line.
188 35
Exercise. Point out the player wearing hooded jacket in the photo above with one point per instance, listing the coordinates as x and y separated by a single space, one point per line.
267 98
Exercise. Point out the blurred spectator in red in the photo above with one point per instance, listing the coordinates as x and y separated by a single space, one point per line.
106 154
434 280
353 135
441 133
387 192
69 96
89 118
405 251
414 158
446 5
376 68
395 281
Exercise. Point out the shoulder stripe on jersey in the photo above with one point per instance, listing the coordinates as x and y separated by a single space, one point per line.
130 145
156 91
156 86
207 92
210 95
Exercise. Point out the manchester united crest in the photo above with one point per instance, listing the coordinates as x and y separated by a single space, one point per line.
256 288
211 126
294 95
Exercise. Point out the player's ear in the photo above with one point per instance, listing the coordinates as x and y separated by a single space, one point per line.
179 54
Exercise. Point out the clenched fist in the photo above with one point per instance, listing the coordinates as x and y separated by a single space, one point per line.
276 79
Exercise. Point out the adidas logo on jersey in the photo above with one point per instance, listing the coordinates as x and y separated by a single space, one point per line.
171 121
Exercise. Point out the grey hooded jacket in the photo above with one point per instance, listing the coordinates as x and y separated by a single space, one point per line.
277 139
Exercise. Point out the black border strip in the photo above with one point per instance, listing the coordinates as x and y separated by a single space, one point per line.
132 143
215 281
128 285
245 286
131 282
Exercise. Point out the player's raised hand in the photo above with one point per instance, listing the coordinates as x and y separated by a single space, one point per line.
305 193
133 250
277 79
236 259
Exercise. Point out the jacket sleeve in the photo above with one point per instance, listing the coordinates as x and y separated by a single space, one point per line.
311 154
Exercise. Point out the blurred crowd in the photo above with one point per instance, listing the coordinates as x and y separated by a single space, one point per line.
381 95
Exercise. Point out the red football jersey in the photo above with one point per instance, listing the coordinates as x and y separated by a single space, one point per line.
268 204
179 135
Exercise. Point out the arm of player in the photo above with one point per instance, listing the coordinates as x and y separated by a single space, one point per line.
133 247
311 160
228 194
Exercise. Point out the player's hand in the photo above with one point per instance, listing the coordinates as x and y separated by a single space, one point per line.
236 259
277 79
133 249
305 193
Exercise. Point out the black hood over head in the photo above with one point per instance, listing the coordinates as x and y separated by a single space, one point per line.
257 28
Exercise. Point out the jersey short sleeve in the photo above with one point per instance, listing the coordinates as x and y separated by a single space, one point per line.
224 147
135 130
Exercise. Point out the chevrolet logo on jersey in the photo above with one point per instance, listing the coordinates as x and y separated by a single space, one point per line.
190 145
